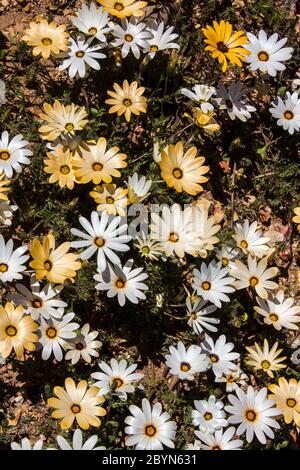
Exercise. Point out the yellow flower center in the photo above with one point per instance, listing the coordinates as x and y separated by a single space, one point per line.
69 127
75 409
222 47
194 316
291 403
79 346
117 382
145 250
265 364
207 416
97 166
250 415
150 430
253 281
51 332
214 358
153 48
177 173
244 244
11 331
48 265
110 200
225 261
128 38
230 378
80 54
206 285
288 115
185 366
118 6
263 56
3 268
216 448
93 30
99 241
273 317
120 283
47 41
37 303
173 237
127 102
4 155
65 170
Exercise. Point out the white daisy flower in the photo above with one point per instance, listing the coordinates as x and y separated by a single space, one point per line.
26 445
117 377
279 312
132 36
138 188
160 39
287 112
92 21
250 240
253 411
201 94
255 275
220 355
6 213
39 302
186 362
233 380
13 153
267 54
103 235
11 261
148 248
198 316
196 445
149 428
123 282
77 442
209 415
55 333
233 100
226 254
81 56
84 345
220 440
205 227
212 283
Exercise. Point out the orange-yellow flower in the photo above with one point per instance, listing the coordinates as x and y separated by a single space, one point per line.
123 8
296 217
46 38
287 397
127 100
59 165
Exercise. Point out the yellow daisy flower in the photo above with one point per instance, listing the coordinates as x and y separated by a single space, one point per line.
265 359
46 38
61 120
183 171
224 45
77 402
16 331
59 165
111 199
98 164
127 100
287 397
56 265
295 219
123 8
4 187
206 120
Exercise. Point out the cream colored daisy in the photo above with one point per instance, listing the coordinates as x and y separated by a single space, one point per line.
61 121
111 199
99 164
287 398
206 120
59 165
123 8
296 218
46 38
265 359
4 187
127 100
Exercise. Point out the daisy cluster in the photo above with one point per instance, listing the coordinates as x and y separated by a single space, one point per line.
240 393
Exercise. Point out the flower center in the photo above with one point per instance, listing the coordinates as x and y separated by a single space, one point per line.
97 166
79 346
145 250
230 378
225 261
207 416
80 54
265 364
214 358
228 104
273 317
120 283
173 237
206 285
69 127
128 38
194 316
250 415
244 244
127 102
75 409
47 41
117 382
118 6
216 448
291 403
110 200
3 268
48 265
253 281
185 366
150 430
51 332
37 303
263 56
11 331
288 115
4 155
93 30
153 48
222 47
99 242
177 173
65 170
